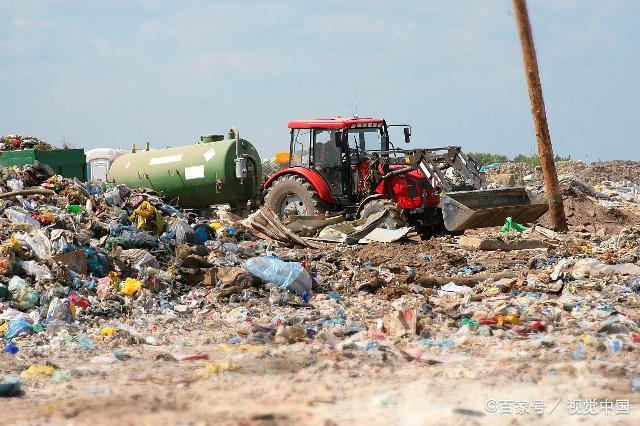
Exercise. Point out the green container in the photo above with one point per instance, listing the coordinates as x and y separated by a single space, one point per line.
69 163
194 175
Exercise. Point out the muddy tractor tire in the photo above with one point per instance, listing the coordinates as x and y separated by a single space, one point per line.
292 195
396 218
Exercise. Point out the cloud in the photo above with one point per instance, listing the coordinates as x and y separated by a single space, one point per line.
31 23
222 60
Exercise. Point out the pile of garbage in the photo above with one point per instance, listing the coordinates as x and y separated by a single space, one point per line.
73 254
92 276
17 142
603 195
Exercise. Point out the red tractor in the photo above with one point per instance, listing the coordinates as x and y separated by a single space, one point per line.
350 166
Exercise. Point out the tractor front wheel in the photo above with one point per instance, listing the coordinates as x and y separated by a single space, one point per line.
292 195
396 218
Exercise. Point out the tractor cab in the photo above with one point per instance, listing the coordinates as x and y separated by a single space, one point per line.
338 150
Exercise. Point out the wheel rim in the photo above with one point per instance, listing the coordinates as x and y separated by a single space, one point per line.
292 205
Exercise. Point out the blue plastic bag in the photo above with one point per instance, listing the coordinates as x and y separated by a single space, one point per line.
18 327
96 261
286 275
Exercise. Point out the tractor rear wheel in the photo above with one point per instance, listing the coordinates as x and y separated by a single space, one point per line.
292 195
396 218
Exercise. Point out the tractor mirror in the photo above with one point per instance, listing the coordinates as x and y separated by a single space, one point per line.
337 138
407 134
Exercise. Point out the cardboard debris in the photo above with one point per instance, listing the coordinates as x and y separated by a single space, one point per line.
401 323
383 235
353 232
307 225
267 224
75 260
210 277
477 243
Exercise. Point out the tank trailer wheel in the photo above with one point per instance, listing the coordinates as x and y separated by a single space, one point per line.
292 195
396 218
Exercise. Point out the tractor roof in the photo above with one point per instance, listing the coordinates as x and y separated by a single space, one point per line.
335 123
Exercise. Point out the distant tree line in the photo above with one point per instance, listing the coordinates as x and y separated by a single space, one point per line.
486 158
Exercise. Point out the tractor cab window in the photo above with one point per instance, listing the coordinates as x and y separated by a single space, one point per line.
360 140
326 153
300 147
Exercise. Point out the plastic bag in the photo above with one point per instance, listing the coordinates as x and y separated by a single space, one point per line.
61 309
134 239
17 327
140 258
15 184
61 240
185 234
130 286
45 217
20 292
116 196
74 208
37 370
37 241
96 261
36 270
289 275
84 342
16 216
509 224
148 217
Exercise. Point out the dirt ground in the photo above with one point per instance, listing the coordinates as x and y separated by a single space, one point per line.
352 380
299 385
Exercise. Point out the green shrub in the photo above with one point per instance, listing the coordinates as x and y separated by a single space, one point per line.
484 158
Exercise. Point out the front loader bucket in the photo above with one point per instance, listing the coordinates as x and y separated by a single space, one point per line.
489 207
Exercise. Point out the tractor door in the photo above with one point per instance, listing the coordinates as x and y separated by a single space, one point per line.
360 141
300 148
329 161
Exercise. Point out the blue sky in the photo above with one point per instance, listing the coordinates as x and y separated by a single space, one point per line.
113 73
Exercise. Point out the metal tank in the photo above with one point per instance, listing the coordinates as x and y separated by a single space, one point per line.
215 171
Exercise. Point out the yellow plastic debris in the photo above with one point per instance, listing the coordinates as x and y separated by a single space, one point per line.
4 327
215 225
511 319
219 367
108 331
243 347
148 217
37 370
130 286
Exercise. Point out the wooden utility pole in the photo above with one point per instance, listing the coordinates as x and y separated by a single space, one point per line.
545 151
